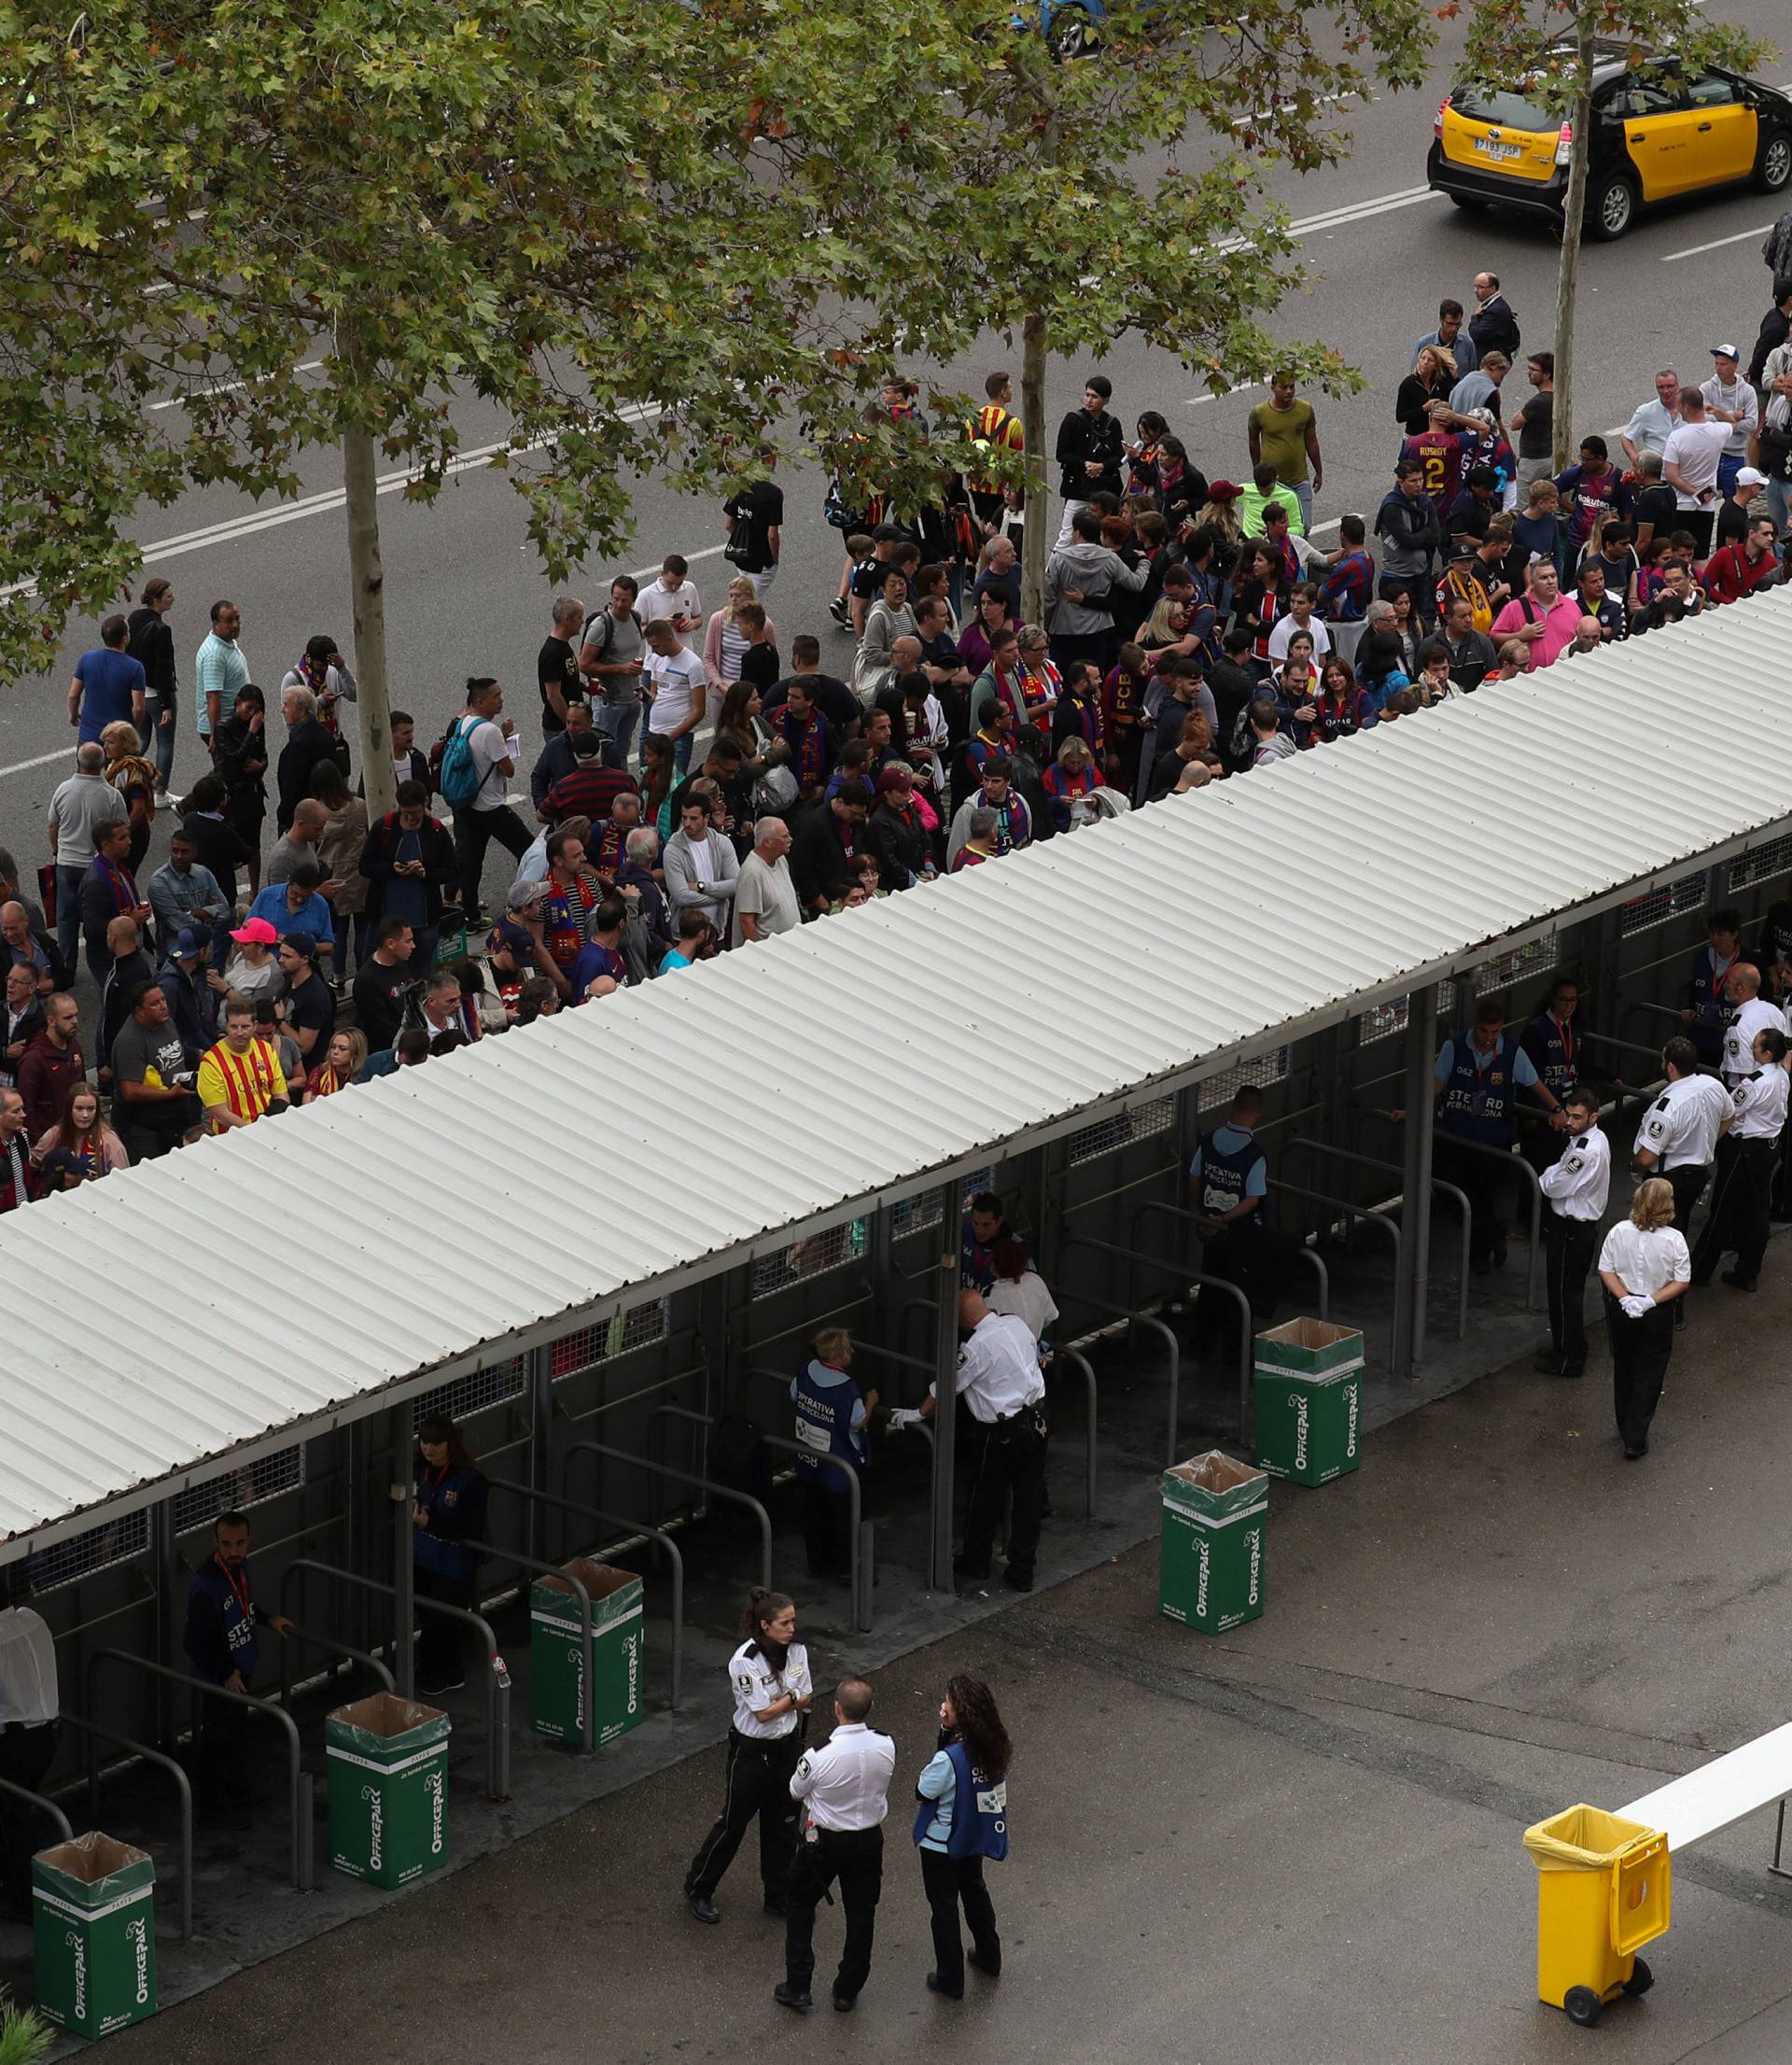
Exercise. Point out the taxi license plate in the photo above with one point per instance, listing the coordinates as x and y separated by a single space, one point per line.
1490 149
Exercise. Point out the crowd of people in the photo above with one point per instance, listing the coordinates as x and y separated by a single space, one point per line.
699 787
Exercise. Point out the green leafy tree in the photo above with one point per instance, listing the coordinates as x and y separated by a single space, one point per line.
1123 192
574 215
1549 50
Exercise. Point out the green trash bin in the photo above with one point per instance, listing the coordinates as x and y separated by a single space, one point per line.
94 1920
388 1789
1210 1565
1309 1400
558 1691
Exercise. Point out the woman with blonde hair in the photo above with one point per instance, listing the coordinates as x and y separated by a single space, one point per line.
1432 375
1644 1266
342 1061
725 643
831 1413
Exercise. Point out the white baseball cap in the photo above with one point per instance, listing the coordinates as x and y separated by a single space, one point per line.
1747 477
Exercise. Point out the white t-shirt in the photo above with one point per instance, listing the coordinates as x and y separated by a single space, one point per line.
1285 628
768 894
658 604
489 746
676 678
1695 448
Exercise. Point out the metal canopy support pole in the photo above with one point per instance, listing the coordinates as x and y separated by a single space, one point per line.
946 1372
168 1606
404 1662
540 1428
1413 1257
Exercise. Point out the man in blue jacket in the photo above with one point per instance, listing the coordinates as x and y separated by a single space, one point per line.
223 1645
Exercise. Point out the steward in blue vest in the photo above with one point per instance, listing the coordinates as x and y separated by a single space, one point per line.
830 1416
221 1642
963 1818
448 1536
1551 1042
1708 1010
1229 1179
1475 1083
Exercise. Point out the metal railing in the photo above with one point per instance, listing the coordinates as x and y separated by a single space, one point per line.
48 1808
1451 1190
1365 1217
859 1547
296 1635
497 1678
659 1534
685 1477
586 1740
1513 1164
1179 1274
183 1797
1051 1356
298 1785
1302 1253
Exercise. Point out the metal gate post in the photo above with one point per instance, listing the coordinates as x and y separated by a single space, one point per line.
168 1604
1412 1259
404 1662
541 1426
945 1369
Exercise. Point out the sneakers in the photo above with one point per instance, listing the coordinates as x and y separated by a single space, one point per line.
798 2000
841 612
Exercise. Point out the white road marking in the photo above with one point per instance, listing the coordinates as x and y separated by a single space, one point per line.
1717 243
230 386
42 760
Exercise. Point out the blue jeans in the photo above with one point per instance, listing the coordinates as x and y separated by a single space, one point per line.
682 751
160 745
1727 468
68 914
617 722
1304 496
1778 495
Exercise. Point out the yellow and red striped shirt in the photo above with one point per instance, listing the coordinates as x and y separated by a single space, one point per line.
245 1084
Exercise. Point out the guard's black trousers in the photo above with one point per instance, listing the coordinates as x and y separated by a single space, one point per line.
855 1857
1688 1183
1007 1462
1739 1204
1640 1352
952 1882
758 1783
1569 1246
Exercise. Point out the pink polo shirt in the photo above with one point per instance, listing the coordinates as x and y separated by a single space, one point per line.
1558 635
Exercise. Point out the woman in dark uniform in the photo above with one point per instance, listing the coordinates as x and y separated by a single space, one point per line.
448 1518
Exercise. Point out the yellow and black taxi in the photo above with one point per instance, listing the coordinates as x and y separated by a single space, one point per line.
1659 131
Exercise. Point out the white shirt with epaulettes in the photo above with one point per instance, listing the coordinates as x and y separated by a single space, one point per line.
1760 1100
844 1784
756 1685
1576 1185
1684 1122
1756 1016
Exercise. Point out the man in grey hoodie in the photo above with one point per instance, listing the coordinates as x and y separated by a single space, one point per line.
1081 580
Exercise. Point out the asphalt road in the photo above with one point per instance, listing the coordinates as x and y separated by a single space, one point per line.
465 594
1298 1842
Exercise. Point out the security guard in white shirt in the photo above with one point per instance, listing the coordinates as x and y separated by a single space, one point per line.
1575 1187
843 1791
999 1380
1680 1131
1753 1014
1746 1160
769 1677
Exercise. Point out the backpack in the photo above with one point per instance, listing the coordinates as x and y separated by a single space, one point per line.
459 780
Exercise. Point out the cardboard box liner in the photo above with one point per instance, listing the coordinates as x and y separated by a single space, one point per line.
598 1579
382 1716
95 1862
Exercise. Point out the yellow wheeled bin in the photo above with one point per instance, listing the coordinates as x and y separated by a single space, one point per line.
1603 1886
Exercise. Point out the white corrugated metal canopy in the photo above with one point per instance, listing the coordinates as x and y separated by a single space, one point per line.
268 1280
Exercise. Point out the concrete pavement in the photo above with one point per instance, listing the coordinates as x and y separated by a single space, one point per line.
1299 1842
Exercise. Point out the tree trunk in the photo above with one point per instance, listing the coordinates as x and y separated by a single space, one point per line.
1568 274
367 579
1035 538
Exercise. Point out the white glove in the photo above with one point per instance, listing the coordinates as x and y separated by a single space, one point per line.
1637 1306
901 1417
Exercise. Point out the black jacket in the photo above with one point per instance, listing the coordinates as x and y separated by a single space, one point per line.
820 862
152 646
306 745
437 853
898 841
1082 437
1495 328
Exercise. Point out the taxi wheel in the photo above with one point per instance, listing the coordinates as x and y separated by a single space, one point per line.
1611 208
1775 166
1071 33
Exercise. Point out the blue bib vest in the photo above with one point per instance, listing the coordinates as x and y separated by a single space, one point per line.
979 1812
1478 1102
825 1427
1225 1176
1553 1056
